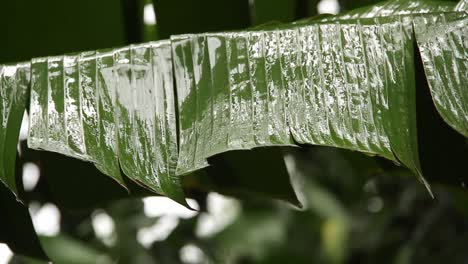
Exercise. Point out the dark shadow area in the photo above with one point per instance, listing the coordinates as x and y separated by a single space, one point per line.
243 173
16 227
443 151
200 16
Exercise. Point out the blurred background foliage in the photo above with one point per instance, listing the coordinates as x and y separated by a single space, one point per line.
355 208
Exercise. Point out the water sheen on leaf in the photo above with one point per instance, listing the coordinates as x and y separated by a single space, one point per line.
344 81
110 107
462 6
397 8
442 44
347 84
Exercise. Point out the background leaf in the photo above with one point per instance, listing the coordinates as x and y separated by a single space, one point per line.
200 16
14 85
69 27
277 10
16 227
246 174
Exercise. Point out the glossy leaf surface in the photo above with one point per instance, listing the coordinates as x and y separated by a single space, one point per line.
440 42
348 84
110 107
444 52
345 81
397 7
14 85
462 6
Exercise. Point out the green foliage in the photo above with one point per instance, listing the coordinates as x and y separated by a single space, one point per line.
303 84
240 116
59 27
444 57
198 16
109 113
14 85
334 82
16 228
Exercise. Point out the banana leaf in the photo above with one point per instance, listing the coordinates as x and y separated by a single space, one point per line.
462 6
362 71
397 7
348 84
439 34
14 85
444 52
110 107
344 81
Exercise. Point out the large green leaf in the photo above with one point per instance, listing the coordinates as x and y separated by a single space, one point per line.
462 6
444 52
14 85
348 84
345 81
64 109
398 7
440 41
352 81
110 107
230 173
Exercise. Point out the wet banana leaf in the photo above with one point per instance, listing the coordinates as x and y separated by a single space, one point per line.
444 52
358 90
462 6
110 107
347 84
216 90
14 85
243 179
397 7
64 113
345 81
